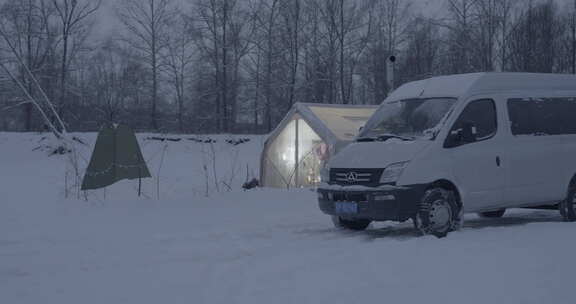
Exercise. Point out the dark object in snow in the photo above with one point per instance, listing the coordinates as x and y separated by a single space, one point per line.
78 140
238 141
234 142
200 140
164 139
60 150
116 156
254 183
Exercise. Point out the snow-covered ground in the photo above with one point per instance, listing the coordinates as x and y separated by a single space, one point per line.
262 246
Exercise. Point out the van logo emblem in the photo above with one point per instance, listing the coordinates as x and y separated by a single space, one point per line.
352 177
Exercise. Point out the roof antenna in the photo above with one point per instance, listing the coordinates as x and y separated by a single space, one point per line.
424 87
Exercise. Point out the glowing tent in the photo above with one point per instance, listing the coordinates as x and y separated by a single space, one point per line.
305 139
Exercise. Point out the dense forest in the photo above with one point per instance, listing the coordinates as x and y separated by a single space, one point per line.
237 66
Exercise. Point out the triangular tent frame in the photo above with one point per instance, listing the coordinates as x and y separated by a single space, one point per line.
116 156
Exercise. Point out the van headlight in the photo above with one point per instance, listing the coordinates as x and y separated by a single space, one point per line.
324 175
392 173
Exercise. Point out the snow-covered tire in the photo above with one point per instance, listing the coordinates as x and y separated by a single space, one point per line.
568 205
356 225
493 214
439 213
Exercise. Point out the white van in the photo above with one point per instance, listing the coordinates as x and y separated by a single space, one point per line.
440 147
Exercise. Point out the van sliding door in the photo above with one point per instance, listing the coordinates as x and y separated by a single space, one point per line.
538 160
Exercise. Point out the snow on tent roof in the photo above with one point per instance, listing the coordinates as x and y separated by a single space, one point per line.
344 122
476 83
333 122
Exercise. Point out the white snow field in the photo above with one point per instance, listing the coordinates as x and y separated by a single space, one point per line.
262 246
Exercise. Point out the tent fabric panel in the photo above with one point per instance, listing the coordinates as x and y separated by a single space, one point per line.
273 177
312 154
130 163
279 161
100 172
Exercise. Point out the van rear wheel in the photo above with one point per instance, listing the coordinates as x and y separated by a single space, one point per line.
356 225
568 205
493 214
439 213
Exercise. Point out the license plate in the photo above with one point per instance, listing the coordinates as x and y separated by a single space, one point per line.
345 207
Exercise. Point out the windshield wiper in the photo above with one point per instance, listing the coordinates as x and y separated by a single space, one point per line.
385 137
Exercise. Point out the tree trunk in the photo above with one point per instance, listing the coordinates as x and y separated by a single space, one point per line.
154 54
224 46
342 76
295 51
63 71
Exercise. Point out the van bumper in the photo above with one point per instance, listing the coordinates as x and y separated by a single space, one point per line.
388 203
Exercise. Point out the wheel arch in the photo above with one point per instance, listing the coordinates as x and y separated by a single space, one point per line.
448 185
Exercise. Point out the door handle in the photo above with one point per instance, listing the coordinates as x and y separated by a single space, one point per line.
498 161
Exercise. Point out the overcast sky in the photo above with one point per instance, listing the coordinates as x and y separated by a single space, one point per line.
107 22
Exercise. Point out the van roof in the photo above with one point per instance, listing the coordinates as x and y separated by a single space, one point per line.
476 83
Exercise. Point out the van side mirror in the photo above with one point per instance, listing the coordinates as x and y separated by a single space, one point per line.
464 134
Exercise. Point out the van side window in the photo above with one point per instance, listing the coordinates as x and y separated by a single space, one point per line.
542 116
482 114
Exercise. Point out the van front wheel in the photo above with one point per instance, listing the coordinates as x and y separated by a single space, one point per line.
567 206
439 213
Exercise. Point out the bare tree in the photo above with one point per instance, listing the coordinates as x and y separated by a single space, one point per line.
460 44
27 24
389 21
573 38
505 7
488 20
235 65
220 27
292 16
179 58
535 39
106 81
147 25
420 58
270 28
72 15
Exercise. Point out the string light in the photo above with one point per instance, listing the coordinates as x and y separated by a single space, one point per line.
107 170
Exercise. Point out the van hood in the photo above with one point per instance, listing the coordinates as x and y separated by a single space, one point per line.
366 155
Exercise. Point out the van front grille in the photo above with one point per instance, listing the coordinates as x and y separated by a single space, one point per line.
365 177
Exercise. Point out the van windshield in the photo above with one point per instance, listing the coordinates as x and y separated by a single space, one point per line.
407 119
